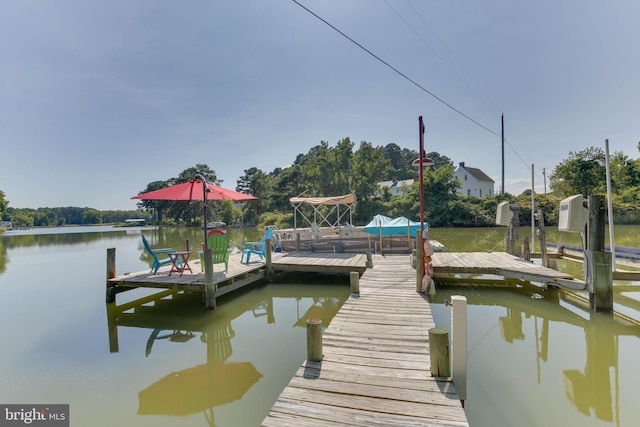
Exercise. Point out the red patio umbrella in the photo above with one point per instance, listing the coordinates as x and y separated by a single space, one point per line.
194 190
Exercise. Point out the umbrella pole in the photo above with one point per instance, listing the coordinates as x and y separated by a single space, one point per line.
210 289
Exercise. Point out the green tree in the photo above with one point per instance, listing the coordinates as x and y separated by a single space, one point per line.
582 173
92 216
3 204
368 167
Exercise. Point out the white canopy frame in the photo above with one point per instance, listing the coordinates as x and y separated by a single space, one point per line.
317 202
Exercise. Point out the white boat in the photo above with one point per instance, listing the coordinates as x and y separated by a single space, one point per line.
216 224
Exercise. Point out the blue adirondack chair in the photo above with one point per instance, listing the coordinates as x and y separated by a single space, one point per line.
157 263
257 248
219 245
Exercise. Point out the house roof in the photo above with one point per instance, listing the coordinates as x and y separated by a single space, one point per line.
477 173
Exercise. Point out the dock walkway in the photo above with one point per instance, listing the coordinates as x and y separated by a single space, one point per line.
376 364
501 264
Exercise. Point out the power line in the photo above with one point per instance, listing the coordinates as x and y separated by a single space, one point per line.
396 70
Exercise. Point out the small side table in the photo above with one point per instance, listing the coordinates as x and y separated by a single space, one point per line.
176 266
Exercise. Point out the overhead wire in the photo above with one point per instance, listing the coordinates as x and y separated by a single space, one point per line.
396 70
412 81
487 99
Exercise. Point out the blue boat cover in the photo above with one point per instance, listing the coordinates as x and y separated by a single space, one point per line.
383 225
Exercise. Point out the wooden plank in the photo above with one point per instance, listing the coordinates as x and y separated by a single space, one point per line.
501 264
375 369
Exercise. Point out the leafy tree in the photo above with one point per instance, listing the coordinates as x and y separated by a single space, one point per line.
157 206
92 216
3 204
368 167
582 173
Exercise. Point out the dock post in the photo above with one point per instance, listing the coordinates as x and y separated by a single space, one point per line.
267 256
419 267
354 277
543 239
209 285
599 275
297 242
459 344
111 273
439 352
369 260
314 340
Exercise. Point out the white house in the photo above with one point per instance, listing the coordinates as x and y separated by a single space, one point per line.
474 182
397 188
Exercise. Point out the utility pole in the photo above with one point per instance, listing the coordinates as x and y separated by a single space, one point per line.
502 190
544 178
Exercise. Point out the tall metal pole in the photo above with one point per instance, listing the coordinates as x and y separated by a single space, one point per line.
204 190
502 190
422 156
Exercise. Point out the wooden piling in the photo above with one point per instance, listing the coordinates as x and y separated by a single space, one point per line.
297 242
111 273
459 344
599 273
314 340
369 260
209 285
267 256
354 277
439 352
419 266
543 239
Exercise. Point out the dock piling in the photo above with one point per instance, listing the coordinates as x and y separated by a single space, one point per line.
314 340
354 278
111 273
459 344
209 285
439 352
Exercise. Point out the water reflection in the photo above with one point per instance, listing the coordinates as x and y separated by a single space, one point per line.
171 319
527 314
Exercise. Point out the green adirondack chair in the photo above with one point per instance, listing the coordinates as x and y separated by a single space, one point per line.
219 245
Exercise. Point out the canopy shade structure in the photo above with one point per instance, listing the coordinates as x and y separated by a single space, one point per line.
382 225
317 203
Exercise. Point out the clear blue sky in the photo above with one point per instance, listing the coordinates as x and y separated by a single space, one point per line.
99 98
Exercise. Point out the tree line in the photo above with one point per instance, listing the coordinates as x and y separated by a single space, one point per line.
327 170
61 216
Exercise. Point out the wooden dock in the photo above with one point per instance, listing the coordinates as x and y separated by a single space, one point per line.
502 264
376 364
239 275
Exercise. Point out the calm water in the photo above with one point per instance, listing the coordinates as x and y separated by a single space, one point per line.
166 362
541 358
536 358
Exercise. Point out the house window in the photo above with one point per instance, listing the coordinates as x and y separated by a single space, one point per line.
481 193
465 177
468 193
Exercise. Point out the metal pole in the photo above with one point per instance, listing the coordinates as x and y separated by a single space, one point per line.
420 240
502 190
204 191
612 243
533 215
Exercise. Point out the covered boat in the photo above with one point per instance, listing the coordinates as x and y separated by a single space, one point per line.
382 225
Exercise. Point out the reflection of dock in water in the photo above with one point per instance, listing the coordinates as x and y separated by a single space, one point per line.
595 388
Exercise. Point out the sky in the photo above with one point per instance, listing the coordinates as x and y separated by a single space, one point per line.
98 99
